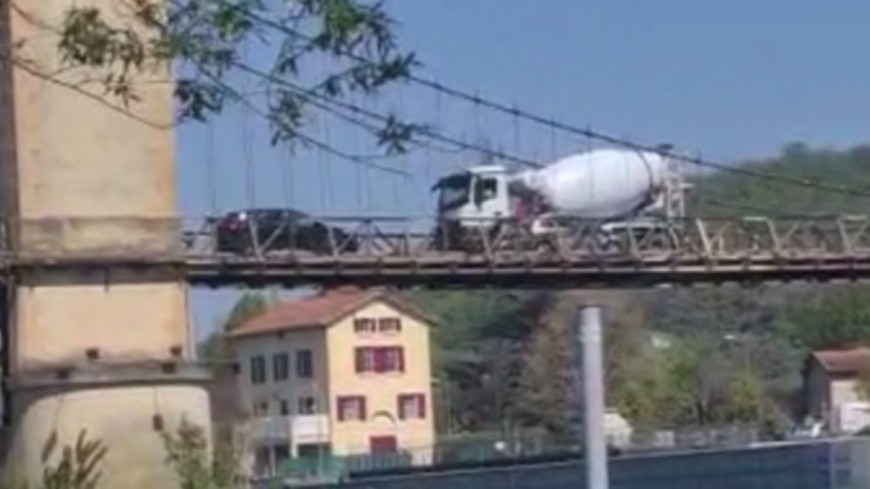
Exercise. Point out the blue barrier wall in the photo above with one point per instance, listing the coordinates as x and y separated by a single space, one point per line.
819 465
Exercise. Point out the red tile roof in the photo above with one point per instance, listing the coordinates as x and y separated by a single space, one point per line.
319 311
844 362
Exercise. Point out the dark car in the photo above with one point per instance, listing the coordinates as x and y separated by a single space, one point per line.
273 230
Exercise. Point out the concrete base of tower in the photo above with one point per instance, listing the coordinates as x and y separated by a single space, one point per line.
128 420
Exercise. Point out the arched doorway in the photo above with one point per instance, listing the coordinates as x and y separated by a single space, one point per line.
383 438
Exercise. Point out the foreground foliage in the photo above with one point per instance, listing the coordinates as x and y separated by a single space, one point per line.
197 468
79 466
208 43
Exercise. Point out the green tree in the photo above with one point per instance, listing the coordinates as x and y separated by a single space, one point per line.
637 400
739 328
681 385
217 352
746 398
547 383
206 41
247 306
680 398
728 194
839 317
478 348
749 404
197 465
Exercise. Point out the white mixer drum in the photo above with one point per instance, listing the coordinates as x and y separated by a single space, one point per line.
599 184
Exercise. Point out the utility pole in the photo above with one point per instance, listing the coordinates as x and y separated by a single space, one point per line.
590 336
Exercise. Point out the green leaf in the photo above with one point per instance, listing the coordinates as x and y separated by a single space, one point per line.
208 38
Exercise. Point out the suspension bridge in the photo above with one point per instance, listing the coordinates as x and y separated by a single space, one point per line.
376 227
95 257
405 251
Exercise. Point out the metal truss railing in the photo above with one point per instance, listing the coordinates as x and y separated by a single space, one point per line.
825 238
570 240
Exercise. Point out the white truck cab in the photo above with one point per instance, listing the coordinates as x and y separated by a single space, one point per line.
477 197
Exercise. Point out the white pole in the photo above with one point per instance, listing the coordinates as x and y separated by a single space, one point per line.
589 319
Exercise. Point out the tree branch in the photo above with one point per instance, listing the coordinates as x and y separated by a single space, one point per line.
208 35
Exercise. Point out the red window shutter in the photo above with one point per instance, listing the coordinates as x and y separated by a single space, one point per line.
421 405
362 408
341 405
400 352
401 406
379 359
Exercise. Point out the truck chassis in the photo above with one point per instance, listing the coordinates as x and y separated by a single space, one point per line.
555 234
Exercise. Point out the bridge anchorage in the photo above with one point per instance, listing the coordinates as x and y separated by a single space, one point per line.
287 249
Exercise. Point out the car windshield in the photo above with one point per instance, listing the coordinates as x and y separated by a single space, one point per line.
454 191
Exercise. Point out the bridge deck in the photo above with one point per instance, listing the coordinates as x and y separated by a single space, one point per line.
405 252
521 271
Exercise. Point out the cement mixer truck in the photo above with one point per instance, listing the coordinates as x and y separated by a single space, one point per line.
620 191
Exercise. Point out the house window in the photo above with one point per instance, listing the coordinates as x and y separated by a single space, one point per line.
364 325
351 408
379 359
304 364
364 359
392 360
306 405
261 408
389 325
284 407
280 366
258 369
412 406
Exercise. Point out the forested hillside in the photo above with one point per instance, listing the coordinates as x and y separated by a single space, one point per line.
726 193
722 355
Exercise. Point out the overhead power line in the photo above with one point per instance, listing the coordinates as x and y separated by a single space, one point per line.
806 183
357 110
310 140
584 132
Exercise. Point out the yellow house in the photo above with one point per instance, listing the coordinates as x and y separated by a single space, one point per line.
345 372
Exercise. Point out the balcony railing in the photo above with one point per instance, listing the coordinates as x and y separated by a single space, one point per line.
311 428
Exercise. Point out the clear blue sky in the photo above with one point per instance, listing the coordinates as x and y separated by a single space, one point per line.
730 80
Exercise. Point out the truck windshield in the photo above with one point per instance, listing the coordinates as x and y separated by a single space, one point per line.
454 191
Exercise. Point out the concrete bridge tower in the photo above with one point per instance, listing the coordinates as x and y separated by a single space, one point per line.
97 322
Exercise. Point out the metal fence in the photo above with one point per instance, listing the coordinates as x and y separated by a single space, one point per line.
488 449
830 464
